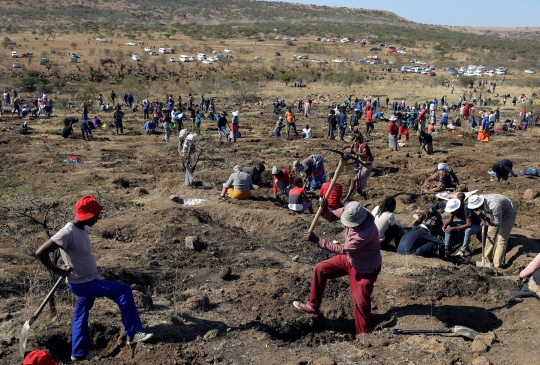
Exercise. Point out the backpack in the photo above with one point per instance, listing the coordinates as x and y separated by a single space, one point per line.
531 172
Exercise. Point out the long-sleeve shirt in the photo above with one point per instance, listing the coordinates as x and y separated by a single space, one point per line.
362 245
499 207
532 267
239 181
341 119
393 128
452 174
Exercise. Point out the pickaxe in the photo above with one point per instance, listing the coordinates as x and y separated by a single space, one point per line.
344 158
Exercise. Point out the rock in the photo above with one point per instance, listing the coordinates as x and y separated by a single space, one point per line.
225 273
365 354
197 302
142 301
434 347
296 258
481 360
193 243
415 340
174 198
140 191
324 361
211 334
530 194
482 343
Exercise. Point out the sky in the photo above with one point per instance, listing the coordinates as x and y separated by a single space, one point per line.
493 13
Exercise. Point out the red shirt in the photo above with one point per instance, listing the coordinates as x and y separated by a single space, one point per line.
369 113
393 128
364 148
283 177
334 199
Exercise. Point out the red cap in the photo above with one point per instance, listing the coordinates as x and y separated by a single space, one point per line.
86 208
39 357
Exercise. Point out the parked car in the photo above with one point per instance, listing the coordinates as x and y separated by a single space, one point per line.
12 43
213 59
278 38
206 61
293 58
431 73
162 50
101 39
153 53
285 38
337 60
227 50
184 58
376 49
219 55
499 72
530 72
172 59
344 40
401 51
43 61
17 65
303 57
148 49
258 58
293 39
191 59
135 57
382 44
131 44
201 56
277 54
14 54
74 55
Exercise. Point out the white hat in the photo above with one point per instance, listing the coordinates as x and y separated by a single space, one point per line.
275 170
353 215
441 166
237 168
236 114
475 201
452 205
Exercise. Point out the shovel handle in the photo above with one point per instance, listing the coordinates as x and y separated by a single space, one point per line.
48 297
397 331
334 180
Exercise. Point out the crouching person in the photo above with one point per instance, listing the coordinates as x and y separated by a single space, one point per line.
529 281
420 242
298 200
238 186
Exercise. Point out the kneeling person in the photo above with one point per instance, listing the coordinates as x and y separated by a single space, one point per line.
298 200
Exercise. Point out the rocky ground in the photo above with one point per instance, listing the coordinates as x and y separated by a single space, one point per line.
230 301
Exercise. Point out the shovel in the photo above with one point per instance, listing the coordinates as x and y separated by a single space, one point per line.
483 262
27 324
458 330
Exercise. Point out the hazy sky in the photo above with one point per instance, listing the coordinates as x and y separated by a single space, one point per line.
495 13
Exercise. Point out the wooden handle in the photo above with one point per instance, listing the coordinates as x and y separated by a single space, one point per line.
334 180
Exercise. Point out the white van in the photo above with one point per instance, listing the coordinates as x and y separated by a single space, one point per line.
162 50
14 54
184 58
201 56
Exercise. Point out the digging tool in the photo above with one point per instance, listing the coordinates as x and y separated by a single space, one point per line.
344 158
458 330
27 324
483 262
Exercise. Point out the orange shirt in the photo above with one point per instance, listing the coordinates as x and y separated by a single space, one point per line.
289 116
369 114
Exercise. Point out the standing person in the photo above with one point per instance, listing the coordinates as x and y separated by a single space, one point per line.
146 109
484 133
276 104
113 97
393 131
298 200
331 124
180 103
403 127
503 169
75 247
503 216
167 121
355 118
369 121
359 181
468 221
100 100
201 102
198 117
359 258
387 101
422 118
334 199
84 110
85 130
118 115
342 123
289 117
190 101
222 125
307 108
386 224
235 126
426 142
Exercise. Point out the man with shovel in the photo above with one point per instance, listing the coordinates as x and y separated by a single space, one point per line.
75 247
359 258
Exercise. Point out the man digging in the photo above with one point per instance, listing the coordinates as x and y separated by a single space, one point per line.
74 245
359 257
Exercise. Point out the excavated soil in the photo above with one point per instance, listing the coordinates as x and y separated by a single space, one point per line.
245 316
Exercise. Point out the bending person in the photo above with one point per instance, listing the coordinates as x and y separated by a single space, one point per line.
238 186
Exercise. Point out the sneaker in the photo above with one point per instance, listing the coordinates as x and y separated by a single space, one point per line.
82 358
305 308
139 337
460 253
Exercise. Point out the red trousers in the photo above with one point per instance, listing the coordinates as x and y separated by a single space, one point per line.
361 288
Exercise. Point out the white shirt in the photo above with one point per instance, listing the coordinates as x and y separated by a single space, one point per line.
383 221
307 132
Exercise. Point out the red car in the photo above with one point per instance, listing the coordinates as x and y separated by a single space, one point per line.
393 50
431 73
107 60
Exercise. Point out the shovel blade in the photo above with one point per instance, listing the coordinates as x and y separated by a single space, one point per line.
24 338
465 332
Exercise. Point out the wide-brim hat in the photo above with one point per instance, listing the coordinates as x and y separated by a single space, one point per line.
353 215
452 205
236 114
475 201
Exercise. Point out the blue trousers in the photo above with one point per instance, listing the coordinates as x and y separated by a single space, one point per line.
473 229
86 293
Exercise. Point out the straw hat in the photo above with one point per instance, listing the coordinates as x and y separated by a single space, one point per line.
475 201
353 215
